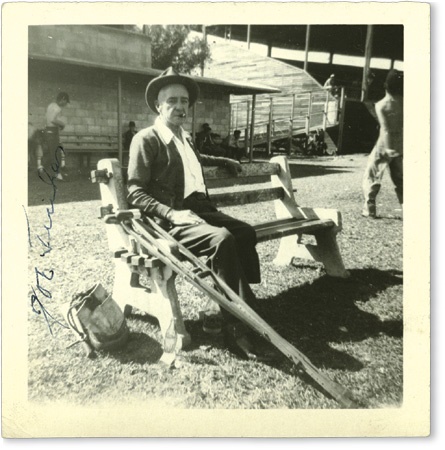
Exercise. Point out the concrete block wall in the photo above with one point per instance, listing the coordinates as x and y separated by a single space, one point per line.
93 103
214 109
92 107
91 44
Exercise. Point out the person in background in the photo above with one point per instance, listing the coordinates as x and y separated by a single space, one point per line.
331 85
166 182
35 151
53 155
388 150
235 149
205 142
128 135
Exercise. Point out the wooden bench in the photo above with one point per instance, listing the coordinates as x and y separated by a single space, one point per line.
85 145
291 223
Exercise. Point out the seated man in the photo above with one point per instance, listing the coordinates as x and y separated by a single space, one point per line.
206 142
127 137
235 149
165 181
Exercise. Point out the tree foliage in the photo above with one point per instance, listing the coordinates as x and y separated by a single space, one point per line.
172 46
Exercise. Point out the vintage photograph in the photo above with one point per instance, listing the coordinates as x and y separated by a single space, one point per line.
215 218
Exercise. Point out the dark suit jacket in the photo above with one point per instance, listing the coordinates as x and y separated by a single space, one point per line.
156 173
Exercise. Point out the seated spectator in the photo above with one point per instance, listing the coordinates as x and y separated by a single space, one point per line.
234 148
128 135
205 142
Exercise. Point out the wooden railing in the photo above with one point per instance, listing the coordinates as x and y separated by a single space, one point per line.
280 117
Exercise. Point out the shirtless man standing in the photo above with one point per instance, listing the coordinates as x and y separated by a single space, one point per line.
388 150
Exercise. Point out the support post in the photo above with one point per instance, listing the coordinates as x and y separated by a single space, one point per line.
269 50
252 127
270 128
119 118
306 50
308 116
236 115
325 112
341 125
291 123
368 51
230 118
194 122
204 35
247 126
248 36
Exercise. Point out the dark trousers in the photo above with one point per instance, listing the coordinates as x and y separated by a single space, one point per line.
52 151
235 153
227 243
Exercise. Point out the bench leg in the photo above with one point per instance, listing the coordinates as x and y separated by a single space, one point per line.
326 251
160 302
163 285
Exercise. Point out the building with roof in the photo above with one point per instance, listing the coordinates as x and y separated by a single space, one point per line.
105 71
359 56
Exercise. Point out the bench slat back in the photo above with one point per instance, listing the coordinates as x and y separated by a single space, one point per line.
248 170
89 141
246 197
250 173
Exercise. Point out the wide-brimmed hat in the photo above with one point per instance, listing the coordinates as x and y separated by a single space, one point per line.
394 82
63 96
170 76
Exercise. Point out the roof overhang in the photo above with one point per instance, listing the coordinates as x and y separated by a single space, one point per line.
222 86
339 39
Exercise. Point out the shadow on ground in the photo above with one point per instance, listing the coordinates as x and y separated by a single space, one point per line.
311 170
140 349
77 188
322 312
311 317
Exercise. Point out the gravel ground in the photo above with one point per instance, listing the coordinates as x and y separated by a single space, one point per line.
350 329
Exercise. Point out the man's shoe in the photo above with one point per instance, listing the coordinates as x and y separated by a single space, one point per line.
369 210
212 323
366 213
248 345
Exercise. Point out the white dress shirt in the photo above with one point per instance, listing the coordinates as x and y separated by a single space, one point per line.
193 178
52 113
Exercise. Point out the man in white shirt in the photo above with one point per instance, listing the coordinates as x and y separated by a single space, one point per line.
236 149
166 181
54 157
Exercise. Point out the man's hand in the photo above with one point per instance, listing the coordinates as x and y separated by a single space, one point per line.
183 217
234 167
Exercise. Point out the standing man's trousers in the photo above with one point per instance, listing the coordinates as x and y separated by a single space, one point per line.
53 154
378 160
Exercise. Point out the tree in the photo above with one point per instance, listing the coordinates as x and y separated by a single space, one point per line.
172 46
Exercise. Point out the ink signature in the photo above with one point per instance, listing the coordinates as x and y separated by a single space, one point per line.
45 242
